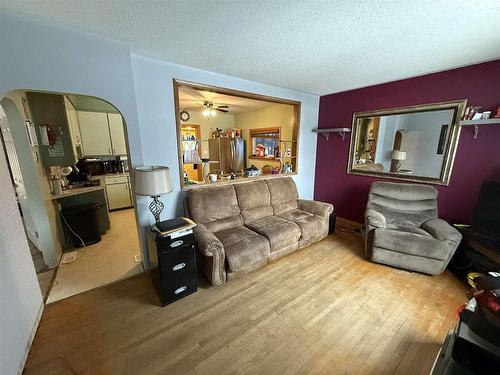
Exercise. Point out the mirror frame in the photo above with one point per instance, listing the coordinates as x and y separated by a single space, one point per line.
458 106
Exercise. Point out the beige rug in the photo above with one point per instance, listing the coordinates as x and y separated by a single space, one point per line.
103 263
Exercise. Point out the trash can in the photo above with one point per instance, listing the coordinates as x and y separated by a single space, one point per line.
82 223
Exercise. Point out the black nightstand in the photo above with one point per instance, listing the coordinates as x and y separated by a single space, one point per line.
173 266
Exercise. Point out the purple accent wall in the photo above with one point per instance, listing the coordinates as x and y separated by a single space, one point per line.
475 161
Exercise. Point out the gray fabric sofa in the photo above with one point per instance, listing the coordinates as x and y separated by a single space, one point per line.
403 229
243 226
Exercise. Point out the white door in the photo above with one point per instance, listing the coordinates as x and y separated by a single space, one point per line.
17 176
74 128
94 130
118 196
117 134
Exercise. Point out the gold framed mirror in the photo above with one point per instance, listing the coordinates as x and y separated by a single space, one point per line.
415 143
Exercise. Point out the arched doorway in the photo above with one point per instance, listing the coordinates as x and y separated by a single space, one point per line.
71 154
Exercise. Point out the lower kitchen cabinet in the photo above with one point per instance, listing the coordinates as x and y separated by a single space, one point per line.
118 195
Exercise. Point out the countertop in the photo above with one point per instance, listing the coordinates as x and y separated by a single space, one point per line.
102 176
77 191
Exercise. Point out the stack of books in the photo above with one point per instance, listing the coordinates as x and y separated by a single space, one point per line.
175 227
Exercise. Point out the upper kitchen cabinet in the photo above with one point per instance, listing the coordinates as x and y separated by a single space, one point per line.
117 134
94 130
52 128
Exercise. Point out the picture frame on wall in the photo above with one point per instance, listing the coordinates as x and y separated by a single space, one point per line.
442 139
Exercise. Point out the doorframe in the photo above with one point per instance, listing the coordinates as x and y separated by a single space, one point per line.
198 137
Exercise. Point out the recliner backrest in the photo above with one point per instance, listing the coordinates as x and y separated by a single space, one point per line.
254 200
215 206
284 195
403 204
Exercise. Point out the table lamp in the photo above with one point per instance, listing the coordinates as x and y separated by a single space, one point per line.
153 181
398 155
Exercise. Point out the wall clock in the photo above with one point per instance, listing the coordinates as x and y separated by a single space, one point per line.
184 116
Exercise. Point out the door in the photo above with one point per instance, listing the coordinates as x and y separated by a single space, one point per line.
15 169
118 196
94 130
117 134
194 171
74 128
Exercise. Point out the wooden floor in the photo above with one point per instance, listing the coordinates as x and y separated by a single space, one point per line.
324 309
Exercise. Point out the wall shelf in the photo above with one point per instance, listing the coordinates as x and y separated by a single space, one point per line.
476 123
326 132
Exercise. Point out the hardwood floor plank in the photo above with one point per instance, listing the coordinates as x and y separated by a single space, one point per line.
324 309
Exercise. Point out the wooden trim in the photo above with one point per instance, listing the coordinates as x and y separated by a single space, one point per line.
238 180
241 94
233 92
276 160
265 130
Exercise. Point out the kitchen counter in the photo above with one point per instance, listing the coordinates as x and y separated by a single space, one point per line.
76 191
102 176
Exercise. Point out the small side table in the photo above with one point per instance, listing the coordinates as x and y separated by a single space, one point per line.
173 266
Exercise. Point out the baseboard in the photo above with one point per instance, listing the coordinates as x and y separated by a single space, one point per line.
31 338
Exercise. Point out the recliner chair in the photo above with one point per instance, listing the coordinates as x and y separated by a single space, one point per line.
403 229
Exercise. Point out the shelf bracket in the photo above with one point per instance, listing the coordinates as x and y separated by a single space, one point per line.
476 131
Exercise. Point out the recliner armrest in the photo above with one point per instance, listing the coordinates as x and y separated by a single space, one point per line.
315 207
207 243
375 219
441 230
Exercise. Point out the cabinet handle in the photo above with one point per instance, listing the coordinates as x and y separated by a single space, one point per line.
179 266
176 243
180 290
109 150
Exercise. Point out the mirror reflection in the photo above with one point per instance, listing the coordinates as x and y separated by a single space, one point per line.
411 144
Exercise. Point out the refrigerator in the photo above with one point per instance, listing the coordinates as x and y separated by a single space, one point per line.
227 155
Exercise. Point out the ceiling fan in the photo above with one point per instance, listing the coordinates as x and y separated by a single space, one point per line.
210 109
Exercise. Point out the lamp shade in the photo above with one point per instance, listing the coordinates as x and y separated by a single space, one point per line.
152 180
398 155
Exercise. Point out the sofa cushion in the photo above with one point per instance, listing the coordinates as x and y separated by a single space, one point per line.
278 231
254 200
284 194
216 207
413 230
411 243
311 226
243 247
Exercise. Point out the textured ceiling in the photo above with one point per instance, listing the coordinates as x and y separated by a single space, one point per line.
311 46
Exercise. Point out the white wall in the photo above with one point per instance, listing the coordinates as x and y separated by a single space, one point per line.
37 55
43 211
155 107
21 299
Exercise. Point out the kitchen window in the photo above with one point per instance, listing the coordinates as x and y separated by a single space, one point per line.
265 142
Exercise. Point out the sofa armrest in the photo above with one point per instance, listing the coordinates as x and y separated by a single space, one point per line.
207 243
441 230
315 207
214 256
375 219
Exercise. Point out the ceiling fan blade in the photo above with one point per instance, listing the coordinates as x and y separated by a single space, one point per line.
222 110
222 106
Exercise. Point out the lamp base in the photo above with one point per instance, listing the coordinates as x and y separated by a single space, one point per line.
156 207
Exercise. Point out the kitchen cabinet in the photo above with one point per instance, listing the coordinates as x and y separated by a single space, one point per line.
52 128
117 134
94 131
118 195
